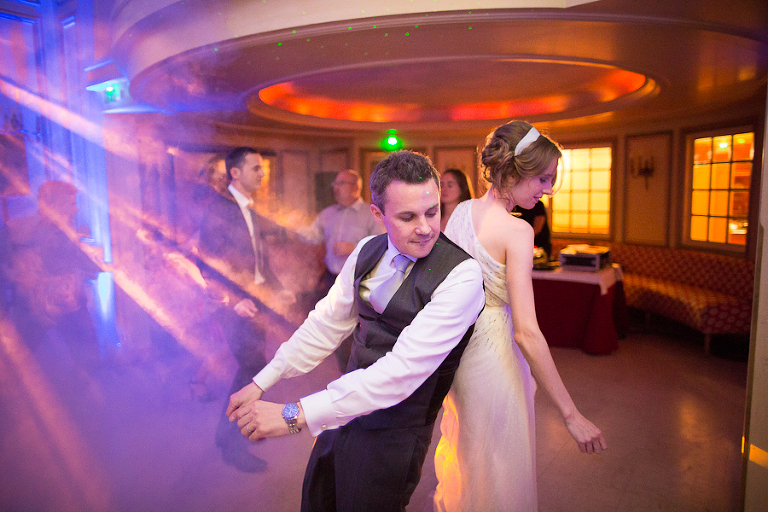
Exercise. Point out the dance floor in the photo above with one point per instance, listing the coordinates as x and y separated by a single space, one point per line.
133 437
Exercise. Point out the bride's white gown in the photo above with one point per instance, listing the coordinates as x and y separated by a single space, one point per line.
485 460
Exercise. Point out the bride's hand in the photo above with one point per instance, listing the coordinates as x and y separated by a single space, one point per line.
589 438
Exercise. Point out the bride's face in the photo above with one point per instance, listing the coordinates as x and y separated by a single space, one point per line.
528 191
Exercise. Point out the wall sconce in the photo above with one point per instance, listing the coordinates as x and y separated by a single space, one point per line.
641 167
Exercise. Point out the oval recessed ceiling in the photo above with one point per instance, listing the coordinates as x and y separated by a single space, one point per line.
436 90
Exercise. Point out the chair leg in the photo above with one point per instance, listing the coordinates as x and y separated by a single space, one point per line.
707 341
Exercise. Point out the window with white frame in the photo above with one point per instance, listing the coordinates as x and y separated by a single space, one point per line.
583 203
719 179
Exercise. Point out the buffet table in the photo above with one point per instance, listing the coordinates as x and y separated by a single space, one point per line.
579 309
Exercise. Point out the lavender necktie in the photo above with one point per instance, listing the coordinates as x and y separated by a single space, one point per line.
379 297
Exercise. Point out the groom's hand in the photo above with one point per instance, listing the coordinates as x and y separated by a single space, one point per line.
265 419
250 393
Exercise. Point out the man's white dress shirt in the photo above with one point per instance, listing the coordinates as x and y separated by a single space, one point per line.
419 350
245 204
338 224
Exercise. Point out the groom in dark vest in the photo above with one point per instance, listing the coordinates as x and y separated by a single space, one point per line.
410 298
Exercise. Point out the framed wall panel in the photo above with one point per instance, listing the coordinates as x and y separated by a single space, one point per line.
461 158
646 190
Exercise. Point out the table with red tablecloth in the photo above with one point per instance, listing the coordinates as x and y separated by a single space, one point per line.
581 309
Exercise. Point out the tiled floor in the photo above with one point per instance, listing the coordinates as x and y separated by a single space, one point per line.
134 439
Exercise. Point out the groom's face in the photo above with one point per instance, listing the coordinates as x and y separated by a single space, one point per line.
411 216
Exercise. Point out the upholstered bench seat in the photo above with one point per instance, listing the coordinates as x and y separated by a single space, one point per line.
708 311
710 292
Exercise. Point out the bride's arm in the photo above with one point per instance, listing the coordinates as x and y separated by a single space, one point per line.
519 254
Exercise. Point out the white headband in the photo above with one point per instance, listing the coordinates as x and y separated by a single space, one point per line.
526 141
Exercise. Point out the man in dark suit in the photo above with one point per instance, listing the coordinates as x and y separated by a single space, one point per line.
410 298
234 262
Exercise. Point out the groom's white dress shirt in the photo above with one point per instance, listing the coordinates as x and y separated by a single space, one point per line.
420 348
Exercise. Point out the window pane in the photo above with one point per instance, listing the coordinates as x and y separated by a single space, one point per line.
737 231
580 181
742 174
717 229
599 223
580 201
579 222
561 201
718 203
699 228
601 180
700 203
721 175
601 201
580 159
601 158
721 148
702 150
701 176
561 221
743 146
739 204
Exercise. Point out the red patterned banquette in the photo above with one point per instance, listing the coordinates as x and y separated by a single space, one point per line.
710 292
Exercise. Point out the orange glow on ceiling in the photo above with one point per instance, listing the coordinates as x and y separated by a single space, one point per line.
610 86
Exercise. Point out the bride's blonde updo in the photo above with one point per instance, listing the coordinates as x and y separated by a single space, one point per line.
502 169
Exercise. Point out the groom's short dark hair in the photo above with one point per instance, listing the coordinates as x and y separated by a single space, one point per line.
405 166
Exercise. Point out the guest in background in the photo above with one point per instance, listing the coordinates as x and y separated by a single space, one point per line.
454 188
233 262
42 260
340 227
537 218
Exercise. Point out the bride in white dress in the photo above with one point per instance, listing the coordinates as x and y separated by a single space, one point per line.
485 460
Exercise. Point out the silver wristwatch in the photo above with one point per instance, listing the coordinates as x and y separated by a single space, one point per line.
291 415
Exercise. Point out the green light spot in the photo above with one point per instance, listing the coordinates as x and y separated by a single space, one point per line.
279 44
293 31
215 49
470 28
416 26
407 34
307 39
386 35
374 26
350 28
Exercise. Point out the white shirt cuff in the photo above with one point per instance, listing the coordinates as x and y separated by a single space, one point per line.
318 412
266 378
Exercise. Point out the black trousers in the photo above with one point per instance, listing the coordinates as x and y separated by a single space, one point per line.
352 469
246 340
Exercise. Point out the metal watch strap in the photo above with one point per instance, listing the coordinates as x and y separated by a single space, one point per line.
291 416
292 428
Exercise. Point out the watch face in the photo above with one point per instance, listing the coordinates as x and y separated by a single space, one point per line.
291 411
